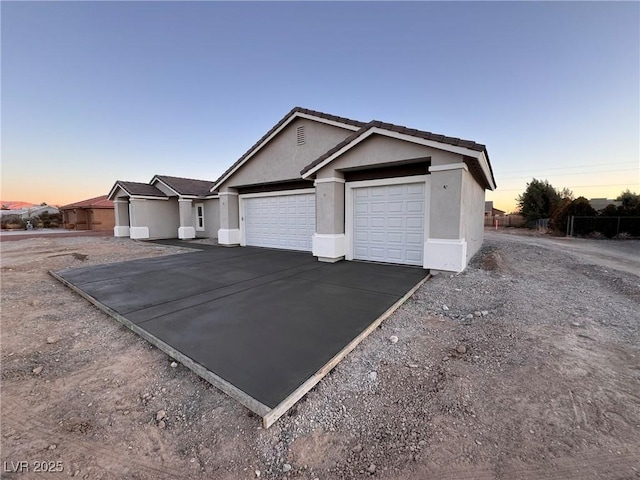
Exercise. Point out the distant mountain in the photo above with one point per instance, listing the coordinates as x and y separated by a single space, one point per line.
8 204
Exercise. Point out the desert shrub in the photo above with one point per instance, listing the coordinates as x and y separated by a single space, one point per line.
47 220
13 222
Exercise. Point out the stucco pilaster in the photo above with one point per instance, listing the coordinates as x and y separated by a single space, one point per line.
446 247
121 212
186 230
328 243
229 232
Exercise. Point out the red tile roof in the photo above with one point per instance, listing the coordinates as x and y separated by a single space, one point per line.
96 202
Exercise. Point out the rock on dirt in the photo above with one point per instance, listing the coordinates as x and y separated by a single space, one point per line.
531 370
393 339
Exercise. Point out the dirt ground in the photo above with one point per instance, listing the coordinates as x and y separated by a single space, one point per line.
525 366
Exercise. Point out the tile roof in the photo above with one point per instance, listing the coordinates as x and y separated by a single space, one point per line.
399 129
96 202
187 186
138 188
294 110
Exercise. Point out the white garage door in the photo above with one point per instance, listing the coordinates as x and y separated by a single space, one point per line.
282 221
388 223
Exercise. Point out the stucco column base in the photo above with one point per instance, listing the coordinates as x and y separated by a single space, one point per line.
186 233
229 236
329 247
445 254
330 260
122 231
139 233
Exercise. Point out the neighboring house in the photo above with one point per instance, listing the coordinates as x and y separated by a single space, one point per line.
340 189
27 213
91 214
491 211
602 203
166 207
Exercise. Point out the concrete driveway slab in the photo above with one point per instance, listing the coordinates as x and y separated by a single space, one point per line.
262 325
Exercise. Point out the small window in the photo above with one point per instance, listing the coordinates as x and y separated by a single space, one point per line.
300 134
200 216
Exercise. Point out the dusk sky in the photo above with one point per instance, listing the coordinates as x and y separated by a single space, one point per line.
95 92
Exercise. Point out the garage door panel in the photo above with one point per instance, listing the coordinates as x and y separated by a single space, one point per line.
282 221
376 237
388 223
416 189
414 256
377 207
415 206
395 237
395 222
415 223
394 254
414 239
377 222
395 207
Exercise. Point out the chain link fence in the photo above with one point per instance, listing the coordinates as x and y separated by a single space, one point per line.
609 227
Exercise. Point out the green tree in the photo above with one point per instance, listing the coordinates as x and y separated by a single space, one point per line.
539 200
630 203
579 207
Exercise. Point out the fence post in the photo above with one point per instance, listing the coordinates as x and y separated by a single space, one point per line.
618 229
568 220
572 218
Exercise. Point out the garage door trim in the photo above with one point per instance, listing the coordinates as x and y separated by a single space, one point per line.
276 193
349 203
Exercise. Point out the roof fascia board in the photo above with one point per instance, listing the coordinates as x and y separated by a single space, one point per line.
327 121
408 138
484 164
113 190
147 197
276 132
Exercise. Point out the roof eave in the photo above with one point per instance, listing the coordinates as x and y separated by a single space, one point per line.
481 156
290 117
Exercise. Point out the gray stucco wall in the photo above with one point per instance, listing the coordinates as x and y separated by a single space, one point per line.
472 214
211 218
160 216
380 150
283 159
121 212
445 205
330 207
229 209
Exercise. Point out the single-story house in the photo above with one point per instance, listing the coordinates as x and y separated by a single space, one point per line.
166 207
336 187
27 213
91 214
491 211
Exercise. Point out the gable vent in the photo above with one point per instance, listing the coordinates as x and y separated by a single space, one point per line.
300 134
